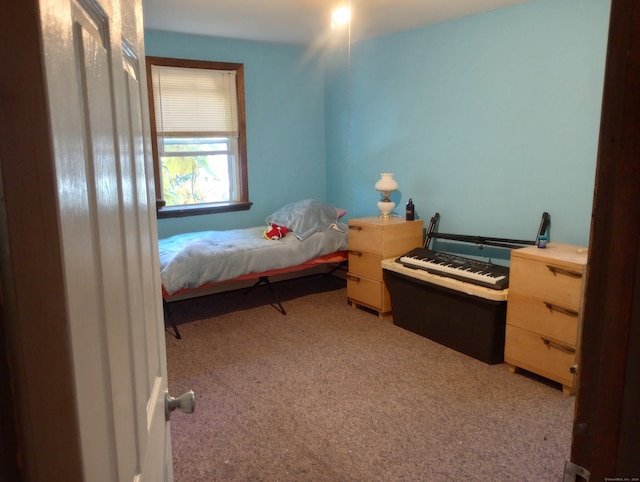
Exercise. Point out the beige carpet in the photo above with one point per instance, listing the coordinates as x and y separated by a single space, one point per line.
333 393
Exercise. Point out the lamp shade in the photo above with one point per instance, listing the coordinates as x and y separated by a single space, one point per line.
386 183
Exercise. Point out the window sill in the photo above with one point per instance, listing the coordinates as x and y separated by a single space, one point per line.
198 209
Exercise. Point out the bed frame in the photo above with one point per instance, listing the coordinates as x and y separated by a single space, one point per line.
326 264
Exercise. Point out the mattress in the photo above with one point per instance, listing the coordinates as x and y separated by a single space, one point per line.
191 260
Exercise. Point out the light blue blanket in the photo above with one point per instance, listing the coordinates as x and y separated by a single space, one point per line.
193 259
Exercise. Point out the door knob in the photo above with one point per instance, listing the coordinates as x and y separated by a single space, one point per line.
185 403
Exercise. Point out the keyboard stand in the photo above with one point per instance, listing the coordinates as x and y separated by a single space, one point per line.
484 240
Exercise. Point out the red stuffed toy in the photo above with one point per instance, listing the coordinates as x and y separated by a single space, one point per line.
275 232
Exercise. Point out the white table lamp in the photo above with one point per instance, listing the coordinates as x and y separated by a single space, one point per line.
386 185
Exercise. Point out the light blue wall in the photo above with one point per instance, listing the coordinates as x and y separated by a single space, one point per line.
284 95
337 108
489 120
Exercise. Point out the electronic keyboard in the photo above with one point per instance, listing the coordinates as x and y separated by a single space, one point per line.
480 273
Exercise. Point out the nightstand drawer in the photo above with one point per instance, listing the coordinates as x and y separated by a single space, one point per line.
384 238
553 283
370 241
365 239
548 319
368 292
364 264
536 353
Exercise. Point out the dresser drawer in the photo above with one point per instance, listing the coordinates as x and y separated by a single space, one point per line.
365 239
548 319
533 352
384 238
367 292
546 280
364 264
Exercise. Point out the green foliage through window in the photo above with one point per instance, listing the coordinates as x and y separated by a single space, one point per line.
196 171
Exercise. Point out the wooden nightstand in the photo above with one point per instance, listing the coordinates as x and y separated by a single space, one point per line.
370 241
544 311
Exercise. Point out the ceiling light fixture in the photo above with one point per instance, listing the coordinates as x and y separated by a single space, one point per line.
340 16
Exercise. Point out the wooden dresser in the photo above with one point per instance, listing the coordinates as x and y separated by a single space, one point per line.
370 241
544 311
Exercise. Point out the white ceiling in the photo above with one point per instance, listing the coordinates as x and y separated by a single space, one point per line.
303 21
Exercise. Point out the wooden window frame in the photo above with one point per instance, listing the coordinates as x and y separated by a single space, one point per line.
243 203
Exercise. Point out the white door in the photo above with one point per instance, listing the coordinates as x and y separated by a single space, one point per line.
94 69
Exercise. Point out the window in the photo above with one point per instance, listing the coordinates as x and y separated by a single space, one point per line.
198 135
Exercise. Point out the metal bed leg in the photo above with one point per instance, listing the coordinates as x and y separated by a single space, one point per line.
340 266
168 316
264 280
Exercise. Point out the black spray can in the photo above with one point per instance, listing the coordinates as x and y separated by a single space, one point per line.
410 210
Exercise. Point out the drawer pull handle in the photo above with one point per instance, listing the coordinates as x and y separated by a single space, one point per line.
560 309
357 228
558 346
567 272
355 253
353 278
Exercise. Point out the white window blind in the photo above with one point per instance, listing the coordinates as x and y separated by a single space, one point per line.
195 102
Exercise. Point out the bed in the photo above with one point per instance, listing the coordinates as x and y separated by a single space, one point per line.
301 235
